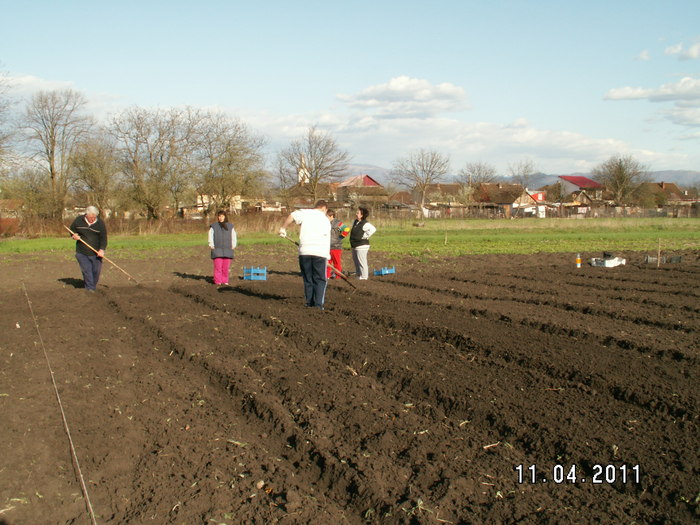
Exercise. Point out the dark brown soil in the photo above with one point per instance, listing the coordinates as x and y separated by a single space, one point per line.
410 400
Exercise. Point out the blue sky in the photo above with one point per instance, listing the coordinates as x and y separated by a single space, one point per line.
562 84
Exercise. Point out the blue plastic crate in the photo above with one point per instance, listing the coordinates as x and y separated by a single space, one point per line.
255 273
385 271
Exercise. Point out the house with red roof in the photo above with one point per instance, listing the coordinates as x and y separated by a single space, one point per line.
578 183
361 189
364 181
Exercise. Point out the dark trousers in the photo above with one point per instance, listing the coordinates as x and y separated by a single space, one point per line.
91 266
313 271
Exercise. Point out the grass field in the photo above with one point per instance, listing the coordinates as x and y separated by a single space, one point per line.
444 237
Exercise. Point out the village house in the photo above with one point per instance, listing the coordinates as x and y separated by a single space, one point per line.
441 194
350 192
511 200
401 200
574 195
361 189
662 193
441 200
668 198
578 183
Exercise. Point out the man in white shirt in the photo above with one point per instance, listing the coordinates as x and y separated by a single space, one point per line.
314 249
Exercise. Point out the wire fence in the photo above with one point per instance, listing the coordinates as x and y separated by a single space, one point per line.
32 226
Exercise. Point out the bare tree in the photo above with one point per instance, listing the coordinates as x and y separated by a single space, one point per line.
132 130
287 180
621 176
419 170
5 104
314 159
230 160
31 186
56 122
473 174
156 154
521 172
96 171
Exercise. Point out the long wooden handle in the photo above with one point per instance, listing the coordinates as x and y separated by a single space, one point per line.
337 272
104 256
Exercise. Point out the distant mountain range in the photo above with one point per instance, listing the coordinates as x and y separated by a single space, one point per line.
684 178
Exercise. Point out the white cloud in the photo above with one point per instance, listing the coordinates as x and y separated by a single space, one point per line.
381 141
673 50
627 93
373 139
366 132
383 122
100 105
406 97
644 56
687 88
684 115
24 86
692 53
685 94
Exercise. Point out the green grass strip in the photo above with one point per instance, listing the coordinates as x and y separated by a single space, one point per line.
441 237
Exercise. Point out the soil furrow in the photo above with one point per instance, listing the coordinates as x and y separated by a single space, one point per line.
426 396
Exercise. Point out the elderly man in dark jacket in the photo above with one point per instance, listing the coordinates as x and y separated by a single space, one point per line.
90 230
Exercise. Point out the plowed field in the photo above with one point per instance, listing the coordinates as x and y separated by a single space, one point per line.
479 389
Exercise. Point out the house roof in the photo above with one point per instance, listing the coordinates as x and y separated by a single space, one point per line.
359 180
583 183
403 197
578 198
443 189
363 190
668 189
499 193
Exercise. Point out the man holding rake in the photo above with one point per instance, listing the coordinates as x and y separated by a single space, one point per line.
314 249
91 230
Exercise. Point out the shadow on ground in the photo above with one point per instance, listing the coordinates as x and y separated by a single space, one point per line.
194 277
72 281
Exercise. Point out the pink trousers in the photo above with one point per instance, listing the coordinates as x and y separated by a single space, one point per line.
221 267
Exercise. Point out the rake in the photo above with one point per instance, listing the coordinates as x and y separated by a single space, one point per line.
337 272
104 257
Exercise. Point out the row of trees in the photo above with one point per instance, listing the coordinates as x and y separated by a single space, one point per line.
142 158
150 159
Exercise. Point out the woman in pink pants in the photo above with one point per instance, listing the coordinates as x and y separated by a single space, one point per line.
222 241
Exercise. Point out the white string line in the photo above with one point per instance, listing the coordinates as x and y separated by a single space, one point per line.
63 414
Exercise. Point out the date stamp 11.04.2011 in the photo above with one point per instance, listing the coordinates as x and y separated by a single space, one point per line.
595 474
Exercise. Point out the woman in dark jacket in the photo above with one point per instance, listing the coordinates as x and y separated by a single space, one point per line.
359 242
222 241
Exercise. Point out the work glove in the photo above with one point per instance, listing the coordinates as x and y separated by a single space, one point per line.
283 232
211 246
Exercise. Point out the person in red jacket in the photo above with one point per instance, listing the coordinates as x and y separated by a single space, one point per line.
337 237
